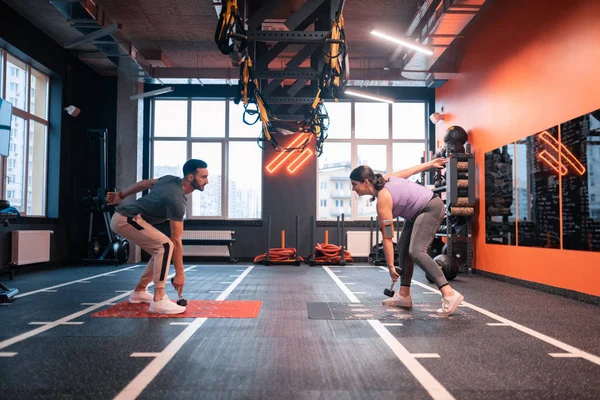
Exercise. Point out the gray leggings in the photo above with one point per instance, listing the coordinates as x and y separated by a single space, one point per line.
415 239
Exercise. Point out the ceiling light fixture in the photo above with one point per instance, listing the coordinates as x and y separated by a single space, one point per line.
405 43
368 96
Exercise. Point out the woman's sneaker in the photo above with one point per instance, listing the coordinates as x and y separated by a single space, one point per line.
398 301
141 297
165 306
450 304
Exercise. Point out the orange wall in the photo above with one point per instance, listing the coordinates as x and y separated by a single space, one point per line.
527 65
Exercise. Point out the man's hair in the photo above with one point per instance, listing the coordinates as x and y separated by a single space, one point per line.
192 165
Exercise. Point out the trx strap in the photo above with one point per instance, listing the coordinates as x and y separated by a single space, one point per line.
230 35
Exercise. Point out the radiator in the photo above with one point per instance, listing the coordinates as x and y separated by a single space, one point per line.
358 242
217 251
29 247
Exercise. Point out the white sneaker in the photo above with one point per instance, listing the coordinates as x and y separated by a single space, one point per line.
398 301
165 306
141 297
450 304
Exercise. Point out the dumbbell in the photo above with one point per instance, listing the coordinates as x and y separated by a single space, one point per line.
390 292
181 301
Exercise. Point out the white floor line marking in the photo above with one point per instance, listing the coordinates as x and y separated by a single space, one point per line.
122 291
429 383
46 291
145 354
73 323
88 304
557 343
392 324
110 275
180 323
425 355
346 291
85 282
53 324
143 379
348 283
342 276
7 354
39 323
497 324
72 282
564 355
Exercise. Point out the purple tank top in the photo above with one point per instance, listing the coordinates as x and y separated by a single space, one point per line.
408 197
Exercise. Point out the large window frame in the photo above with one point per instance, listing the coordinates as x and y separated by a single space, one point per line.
29 119
388 142
224 142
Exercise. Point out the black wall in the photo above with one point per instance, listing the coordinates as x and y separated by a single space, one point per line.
72 82
284 196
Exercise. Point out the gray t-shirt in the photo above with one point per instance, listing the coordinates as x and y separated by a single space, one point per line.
165 201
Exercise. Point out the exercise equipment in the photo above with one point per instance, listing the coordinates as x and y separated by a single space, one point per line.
327 253
448 265
459 253
7 293
281 255
106 246
181 301
390 292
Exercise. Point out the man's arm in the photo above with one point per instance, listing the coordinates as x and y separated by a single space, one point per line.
384 212
407 173
113 198
177 258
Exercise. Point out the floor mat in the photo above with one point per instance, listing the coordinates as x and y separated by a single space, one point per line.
356 311
194 309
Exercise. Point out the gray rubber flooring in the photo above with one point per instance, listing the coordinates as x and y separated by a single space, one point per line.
510 341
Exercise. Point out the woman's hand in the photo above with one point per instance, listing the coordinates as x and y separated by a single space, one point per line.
438 162
393 274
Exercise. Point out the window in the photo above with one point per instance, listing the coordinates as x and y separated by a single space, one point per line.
25 178
212 131
373 142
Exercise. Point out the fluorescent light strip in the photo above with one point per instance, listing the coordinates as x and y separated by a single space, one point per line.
403 43
368 96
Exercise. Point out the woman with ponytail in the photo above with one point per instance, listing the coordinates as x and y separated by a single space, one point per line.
423 212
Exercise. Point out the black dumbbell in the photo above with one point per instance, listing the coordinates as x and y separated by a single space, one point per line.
390 292
181 301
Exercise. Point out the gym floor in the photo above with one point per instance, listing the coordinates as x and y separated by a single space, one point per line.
507 341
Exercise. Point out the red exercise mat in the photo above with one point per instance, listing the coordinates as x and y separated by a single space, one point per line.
194 309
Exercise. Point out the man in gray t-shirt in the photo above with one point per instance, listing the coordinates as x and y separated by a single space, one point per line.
166 201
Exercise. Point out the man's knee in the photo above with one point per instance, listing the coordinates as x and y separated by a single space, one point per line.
164 247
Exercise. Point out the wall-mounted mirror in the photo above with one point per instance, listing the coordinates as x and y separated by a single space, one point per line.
499 196
537 190
580 161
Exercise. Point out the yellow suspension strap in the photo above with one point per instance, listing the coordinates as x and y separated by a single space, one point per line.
333 75
230 35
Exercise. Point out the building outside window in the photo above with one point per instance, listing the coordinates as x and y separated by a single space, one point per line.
361 133
24 173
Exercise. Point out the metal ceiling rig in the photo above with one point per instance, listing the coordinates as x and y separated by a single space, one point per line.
326 47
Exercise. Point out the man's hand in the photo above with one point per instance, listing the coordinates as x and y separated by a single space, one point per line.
438 162
113 198
393 274
178 282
